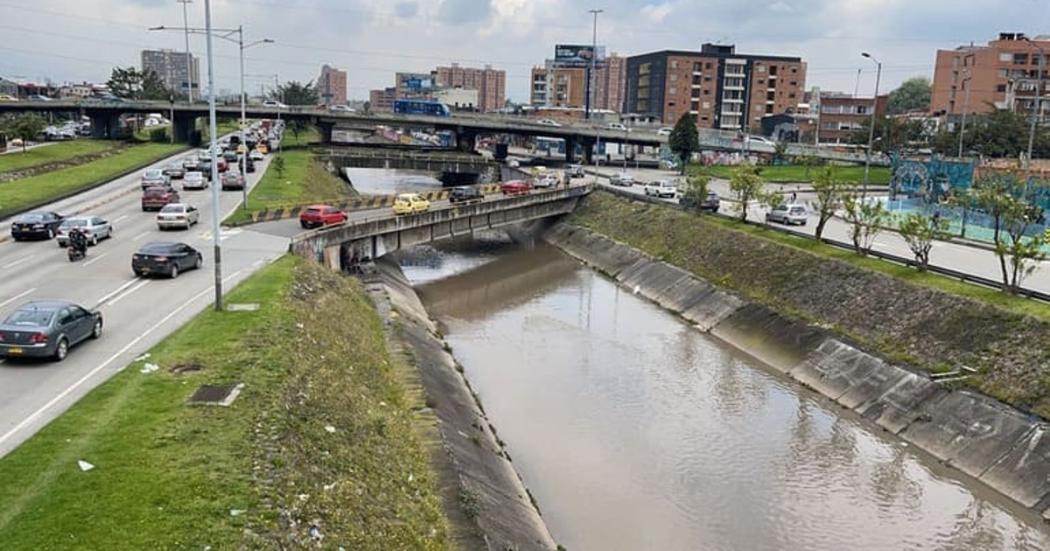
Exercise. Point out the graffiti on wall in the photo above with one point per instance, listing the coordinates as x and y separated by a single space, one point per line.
930 179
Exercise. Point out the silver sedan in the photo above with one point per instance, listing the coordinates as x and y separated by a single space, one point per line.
95 228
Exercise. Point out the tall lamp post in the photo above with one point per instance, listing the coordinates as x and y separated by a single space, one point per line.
871 127
1037 110
189 58
590 89
966 107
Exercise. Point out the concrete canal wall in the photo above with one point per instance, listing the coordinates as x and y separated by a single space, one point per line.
997 444
485 498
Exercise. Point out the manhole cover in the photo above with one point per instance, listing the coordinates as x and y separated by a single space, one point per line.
216 395
242 307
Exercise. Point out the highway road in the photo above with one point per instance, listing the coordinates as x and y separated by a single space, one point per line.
137 312
957 256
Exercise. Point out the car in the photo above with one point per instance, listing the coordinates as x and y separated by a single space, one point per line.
788 214
515 187
190 163
39 97
194 180
315 216
262 148
177 215
204 156
95 228
575 171
155 177
711 202
341 108
222 165
410 203
622 179
7 97
241 149
546 181
665 131
548 122
154 198
230 157
175 171
249 165
47 329
275 104
166 258
465 194
232 181
661 188
36 225
256 155
762 140
617 126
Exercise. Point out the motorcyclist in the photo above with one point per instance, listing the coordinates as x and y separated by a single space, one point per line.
78 241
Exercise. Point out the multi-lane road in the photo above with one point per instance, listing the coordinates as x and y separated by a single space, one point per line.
137 312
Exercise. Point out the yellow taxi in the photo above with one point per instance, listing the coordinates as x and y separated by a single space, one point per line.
261 148
409 203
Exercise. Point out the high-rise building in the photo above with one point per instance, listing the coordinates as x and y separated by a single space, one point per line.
173 70
1001 75
722 88
331 86
562 81
491 84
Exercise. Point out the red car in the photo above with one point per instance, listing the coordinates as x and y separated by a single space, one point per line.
154 198
316 216
222 165
515 187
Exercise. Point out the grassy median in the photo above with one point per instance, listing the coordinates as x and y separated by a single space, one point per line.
790 174
304 180
56 152
27 193
319 450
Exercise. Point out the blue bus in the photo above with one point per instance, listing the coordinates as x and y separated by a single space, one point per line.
421 107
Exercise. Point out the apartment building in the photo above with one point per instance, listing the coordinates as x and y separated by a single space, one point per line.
382 100
724 89
490 84
562 81
331 86
1000 75
840 115
173 69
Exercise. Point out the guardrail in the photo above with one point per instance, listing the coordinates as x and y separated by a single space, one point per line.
910 262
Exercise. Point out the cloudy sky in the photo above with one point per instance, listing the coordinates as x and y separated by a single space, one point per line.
67 40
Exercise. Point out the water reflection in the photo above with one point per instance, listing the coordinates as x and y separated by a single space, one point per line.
636 431
378 181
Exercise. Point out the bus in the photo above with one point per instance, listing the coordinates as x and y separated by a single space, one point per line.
421 107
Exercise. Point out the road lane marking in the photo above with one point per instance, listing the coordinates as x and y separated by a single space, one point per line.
119 218
120 297
94 260
140 236
16 262
105 363
16 297
109 295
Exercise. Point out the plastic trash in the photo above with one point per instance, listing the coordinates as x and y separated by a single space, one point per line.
84 465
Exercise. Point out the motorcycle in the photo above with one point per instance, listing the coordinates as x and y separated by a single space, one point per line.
77 248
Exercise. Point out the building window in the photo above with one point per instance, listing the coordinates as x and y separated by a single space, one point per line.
706 105
770 96
769 109
1000 88
672 91
760 68
1003 56
695 106
707 79
707 65
696 67
696 92
1004 73
772 70
1020 59
696 79
706 92
794 83
791 95
794 70
704 118
670 104
674 77
761 81
674 64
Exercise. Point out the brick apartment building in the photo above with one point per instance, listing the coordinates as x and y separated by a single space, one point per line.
842 114
331 86
491 84
562 81
1001 75
724 89
382 100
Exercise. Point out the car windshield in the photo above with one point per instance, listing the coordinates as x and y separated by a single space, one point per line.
154 191
30 317
75 222
313 210
153 174
798 210
31 218
172 208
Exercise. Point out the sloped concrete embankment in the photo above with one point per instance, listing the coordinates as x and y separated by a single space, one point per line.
484 496
986 439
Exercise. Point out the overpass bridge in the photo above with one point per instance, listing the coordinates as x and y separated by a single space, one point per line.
343 246
105 118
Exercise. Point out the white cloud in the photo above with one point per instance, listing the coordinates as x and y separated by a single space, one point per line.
657 13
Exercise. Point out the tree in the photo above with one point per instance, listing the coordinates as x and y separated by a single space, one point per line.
830 192
25 126
1012 216
684 139
153 88
130 83
298 126
912 95
866 219
278 166
1000 133
780 152
892 134
746 185
696 190
919 231
296 93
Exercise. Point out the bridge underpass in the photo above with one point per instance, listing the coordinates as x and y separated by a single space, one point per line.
342 247
455 168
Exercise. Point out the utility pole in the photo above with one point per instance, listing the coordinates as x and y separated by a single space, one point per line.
216 230
593 68
871 128
189 57
966 107
1037 112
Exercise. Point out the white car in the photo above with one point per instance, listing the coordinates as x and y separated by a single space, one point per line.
256 155
789 215
665 131
95 228
341 108
762 140
548 122
622 179
274 104
177 215
194 180
617 126
662 188
545 181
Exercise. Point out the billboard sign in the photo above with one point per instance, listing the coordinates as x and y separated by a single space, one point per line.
576 54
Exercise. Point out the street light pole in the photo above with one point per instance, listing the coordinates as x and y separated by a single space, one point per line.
966 107
594 57
1037 111
871 129
212 130
189 57
244 121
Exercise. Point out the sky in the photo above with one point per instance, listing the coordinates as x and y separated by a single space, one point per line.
67 40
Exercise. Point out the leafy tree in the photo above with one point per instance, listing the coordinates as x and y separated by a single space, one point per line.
153 87
130 83
866 219
24 126
919 231
830 192
296 93
684 139
780 152
297 126
746 185
1012 216
892 134
696 187
1000 133
912 95
278 166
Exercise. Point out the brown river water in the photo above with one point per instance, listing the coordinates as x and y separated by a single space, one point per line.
635 431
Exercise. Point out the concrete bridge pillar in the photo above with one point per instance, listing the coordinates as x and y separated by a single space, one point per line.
184 127
466 141
325 129
570 150
105 125
588 151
